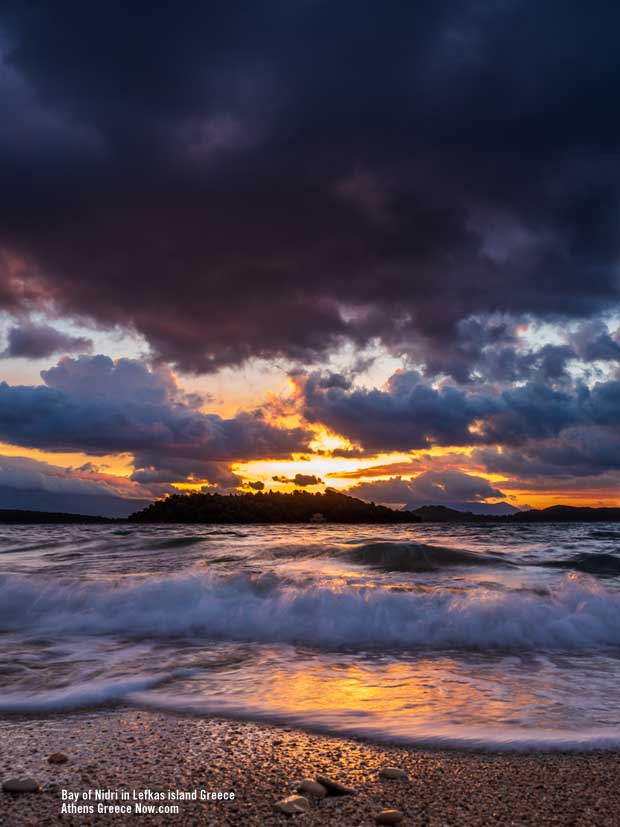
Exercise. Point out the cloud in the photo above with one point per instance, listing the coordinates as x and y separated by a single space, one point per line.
438 166
421 189
453 489
446 461
99 406
33 485
256 486
577 452
301 480
31 341
593 341
410 413
407 467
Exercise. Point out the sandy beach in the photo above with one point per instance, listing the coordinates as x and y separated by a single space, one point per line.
133 751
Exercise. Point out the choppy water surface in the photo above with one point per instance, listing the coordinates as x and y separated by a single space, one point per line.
496 635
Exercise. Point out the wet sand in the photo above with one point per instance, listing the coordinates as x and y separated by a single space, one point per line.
126 749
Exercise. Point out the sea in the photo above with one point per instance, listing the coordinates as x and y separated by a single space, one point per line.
492 636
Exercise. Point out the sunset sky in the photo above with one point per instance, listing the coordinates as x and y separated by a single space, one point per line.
372 246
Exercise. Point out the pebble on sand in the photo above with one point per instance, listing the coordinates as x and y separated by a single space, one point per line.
313 788
293 804
389 817
333 787
57 758
20 785
392 772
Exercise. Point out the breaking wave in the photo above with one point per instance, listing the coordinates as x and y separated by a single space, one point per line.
578 613
419 557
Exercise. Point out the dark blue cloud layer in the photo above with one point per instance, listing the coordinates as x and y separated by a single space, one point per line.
98 406
571 424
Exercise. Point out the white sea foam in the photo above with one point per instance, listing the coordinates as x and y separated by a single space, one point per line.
92 693
578 613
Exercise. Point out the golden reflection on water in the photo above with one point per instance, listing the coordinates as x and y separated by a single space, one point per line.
403 694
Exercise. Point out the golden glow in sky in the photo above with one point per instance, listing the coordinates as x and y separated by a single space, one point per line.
332 459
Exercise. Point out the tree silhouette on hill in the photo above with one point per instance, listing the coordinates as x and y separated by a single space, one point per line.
269 507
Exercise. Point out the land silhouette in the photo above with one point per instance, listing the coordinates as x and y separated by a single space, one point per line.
334 507
304 507
270 507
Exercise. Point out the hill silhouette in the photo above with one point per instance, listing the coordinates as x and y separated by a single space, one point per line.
270 507
552 514
567 514
15 516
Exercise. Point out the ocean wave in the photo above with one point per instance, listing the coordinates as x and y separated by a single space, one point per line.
580 613
419 557
589 562
88 694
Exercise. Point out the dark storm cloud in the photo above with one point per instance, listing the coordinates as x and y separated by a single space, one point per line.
410 414
468 362
264 179
580 459
593 341
32 341
98 406
576 452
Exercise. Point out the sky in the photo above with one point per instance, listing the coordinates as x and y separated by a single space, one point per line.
361 245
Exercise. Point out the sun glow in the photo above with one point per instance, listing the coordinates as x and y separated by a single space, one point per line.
118 465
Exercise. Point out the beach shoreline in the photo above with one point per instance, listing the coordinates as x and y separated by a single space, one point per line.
127 749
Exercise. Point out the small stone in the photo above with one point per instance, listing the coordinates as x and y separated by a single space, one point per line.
57 758
20 785
333 787
309 787
389 817
293 804
392 772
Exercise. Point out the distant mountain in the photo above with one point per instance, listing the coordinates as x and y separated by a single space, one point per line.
19 517
271 507
443 514
553 514
96 505
568 513
471 508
